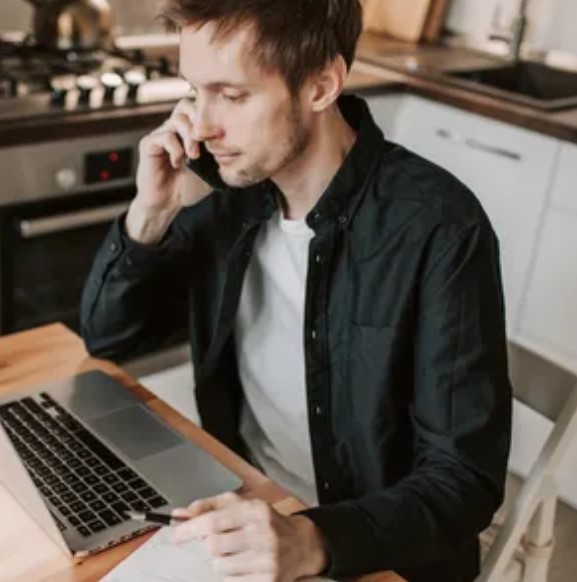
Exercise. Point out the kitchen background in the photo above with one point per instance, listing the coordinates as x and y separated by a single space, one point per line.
552 21
521 162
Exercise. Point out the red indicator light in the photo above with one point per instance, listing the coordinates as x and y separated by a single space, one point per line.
104 175
113 157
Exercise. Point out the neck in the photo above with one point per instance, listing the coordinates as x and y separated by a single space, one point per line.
306 178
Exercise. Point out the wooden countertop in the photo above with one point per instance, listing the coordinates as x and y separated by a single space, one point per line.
26 553
391 60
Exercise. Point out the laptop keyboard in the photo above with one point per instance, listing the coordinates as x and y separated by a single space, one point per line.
74 471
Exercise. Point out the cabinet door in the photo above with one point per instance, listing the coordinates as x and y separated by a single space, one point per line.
549 318
565 183
508 168
385 110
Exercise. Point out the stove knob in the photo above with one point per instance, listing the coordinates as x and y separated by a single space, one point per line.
164 67
134 79
58 96
111 82
85 84
66 178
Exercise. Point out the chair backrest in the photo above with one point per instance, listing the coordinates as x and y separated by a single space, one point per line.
552 391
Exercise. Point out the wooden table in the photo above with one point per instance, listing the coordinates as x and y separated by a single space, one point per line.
26 553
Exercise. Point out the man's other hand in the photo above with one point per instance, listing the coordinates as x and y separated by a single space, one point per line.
249 540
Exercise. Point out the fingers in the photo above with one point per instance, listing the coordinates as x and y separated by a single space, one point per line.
162 144
174 137
232 542
218 515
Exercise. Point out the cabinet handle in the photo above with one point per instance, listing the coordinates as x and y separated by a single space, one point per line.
477 145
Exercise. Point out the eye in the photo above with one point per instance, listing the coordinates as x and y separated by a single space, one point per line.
236 98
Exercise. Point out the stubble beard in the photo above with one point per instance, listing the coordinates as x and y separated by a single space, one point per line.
295 143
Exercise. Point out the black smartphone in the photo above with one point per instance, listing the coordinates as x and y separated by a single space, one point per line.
206 167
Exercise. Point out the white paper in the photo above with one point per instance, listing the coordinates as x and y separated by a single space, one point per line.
159 560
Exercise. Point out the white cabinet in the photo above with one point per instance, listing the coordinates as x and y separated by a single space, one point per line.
549 316
509 169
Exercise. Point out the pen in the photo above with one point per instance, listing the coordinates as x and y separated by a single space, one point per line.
154 517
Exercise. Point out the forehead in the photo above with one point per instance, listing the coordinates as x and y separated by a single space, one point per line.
205 60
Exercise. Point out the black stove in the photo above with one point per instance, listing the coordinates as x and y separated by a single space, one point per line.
35 80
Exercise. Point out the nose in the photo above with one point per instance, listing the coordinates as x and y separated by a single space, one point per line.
205 127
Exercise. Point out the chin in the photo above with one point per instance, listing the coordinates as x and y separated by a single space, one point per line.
240 179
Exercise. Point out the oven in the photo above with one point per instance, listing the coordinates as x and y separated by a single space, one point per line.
58 200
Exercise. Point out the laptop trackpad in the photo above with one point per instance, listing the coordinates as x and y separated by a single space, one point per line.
136 432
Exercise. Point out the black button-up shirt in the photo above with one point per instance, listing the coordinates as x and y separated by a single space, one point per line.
405 352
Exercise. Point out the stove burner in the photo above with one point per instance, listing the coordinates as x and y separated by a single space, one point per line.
95 77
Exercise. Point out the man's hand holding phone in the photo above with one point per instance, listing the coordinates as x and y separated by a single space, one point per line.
164 185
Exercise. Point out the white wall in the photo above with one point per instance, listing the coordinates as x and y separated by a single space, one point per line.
552 23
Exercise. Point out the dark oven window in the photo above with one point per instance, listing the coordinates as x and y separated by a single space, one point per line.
47 251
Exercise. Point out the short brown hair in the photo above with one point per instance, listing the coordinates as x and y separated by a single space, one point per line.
294 37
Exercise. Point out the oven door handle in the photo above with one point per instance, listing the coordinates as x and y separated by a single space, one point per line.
70 221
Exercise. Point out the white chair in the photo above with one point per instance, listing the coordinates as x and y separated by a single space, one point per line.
519 543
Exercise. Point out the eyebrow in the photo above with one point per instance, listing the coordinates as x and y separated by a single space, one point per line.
216 84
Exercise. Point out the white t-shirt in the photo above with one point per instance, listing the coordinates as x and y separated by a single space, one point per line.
270 352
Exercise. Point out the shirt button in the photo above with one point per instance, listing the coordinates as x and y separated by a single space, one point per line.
113 247
318 410
129 261
314 334
326 486
318 258
316 216
342 219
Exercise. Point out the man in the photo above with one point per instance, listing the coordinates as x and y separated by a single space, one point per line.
343 301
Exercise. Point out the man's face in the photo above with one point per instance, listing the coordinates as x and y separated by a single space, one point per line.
246 116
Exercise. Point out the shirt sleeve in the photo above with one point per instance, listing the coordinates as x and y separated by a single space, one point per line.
461 414
135 297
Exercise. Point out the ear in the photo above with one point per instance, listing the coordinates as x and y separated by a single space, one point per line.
328 84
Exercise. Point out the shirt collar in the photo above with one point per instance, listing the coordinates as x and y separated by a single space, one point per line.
343 194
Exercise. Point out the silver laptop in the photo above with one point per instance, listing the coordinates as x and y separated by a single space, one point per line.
78 453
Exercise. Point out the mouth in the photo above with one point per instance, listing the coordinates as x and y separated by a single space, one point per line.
224 158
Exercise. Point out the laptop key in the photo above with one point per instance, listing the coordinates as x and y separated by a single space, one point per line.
74 520
110 478
121 508
139 506
97 505
68 497
119 487
147 493
92 480
92 462
77 506
87 516
64 511
100 488
127 475
83 471
156 502
137 484
97 526
88 496
129 496
110 518
110 497
79 487
84 531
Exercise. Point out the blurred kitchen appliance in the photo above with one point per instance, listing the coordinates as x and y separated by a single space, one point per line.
40 81
59 196
73 24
